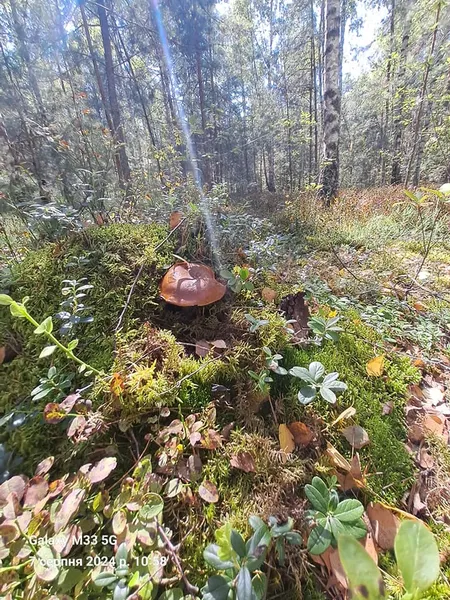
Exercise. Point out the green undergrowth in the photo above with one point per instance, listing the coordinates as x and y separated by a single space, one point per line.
387 460
114 255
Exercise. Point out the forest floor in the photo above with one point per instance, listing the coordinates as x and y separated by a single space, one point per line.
178 426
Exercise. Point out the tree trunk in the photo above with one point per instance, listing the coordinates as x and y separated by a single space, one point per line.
417 130
396 173
385 137
123 165
329 177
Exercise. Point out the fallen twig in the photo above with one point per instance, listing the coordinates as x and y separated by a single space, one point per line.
172 551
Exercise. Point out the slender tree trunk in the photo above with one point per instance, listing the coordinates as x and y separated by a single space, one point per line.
385 136
119 138
396 173
329 178
417 126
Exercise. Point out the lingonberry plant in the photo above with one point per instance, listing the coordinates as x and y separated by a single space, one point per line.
241 561
331 517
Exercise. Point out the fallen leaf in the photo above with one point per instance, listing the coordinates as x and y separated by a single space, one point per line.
2 354
375 366
102 469
356 436
219 344
208 492
388 407
384 524
355 478
243 461
435 424
286 438
336 568
420 306
425 459
303 435
175 219
338 460
77 426
268 294
202 348
346 414
69 402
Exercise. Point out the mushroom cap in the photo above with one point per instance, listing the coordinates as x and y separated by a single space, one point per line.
189 284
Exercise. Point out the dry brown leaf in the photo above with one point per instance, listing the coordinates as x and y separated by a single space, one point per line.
388 407
375 366
420 306
303 435
346 414
356 436
425 459
202 348
286 438
2 354
208 492
45 465
355 478
268 294
434 424
384 524
338 460
219 344
336 568
175 219
243 461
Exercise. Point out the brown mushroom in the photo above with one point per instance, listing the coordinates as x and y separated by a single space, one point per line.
189 284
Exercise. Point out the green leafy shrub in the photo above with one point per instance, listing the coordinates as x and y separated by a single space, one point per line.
330 517
317 382
242 561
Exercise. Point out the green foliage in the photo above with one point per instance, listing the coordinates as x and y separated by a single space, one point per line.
73 312
327 385
242 561
325 329
330 517
53 387
238 279
263 378
417 557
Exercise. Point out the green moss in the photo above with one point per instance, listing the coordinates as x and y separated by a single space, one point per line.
386 456
115 254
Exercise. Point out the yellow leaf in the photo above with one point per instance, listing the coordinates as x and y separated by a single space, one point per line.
346 414
375 366
337 458
286 438
332 313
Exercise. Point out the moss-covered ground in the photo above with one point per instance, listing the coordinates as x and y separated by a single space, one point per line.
152 373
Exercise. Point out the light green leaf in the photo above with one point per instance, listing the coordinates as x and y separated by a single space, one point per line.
316 370
244 589
210 554
5 300
105 578
319 501
349 510
417 556
363 574
319 540
152 508
45 327
47 351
